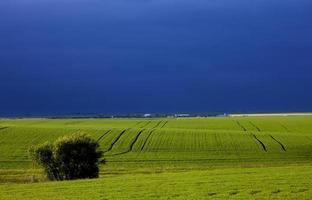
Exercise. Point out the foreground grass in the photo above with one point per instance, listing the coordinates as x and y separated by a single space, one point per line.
292 182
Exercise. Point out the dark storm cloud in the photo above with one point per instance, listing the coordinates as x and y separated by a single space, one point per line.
154 56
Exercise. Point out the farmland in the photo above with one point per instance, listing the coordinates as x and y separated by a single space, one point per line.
237 157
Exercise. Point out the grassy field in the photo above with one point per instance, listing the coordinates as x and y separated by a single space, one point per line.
184 158
239 183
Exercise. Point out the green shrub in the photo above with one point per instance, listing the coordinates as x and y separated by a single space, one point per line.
71 157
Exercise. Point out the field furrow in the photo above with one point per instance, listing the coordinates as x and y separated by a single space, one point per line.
146 124
256 127
146 140
128 147
110 147
165 123
260 142
102 136
157 124
241 126
280 143
242 139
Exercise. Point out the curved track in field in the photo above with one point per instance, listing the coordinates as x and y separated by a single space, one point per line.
241 126
102 136
284 127
280 143
147 138
164 124
157 124
256 127
260 142
131 144
116 140
146 124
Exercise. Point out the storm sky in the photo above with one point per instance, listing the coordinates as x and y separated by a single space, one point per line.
155 56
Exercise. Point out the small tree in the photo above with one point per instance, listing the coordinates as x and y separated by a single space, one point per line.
70 157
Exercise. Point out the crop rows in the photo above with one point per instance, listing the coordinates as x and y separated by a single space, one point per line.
168 139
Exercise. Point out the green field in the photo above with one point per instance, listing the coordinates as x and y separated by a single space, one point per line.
168 158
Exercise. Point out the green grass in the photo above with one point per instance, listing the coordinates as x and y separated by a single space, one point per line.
196 155
238 183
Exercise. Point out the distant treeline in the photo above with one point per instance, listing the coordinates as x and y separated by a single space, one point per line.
137 116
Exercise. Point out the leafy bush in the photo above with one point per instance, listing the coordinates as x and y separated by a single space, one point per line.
70 157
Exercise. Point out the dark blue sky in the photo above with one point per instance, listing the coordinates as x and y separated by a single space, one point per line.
126 56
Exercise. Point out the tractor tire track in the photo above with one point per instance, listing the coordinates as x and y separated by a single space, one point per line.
146 124
101 137
116 140
241 126
131 144
157 124
136 139
282 125
258 129
255 139
281 144
164 124
147 138
136 124
260 142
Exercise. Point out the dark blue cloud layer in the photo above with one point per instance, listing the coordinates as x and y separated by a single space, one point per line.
119 56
